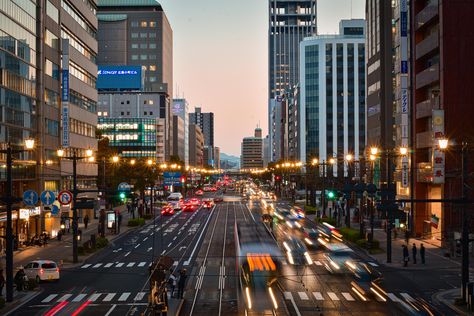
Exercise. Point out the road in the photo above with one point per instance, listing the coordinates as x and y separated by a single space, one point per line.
115 281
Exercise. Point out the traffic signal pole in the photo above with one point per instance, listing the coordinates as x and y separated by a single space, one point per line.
465 224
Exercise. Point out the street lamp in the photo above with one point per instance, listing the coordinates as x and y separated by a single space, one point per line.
374 151
115 159
29 145
132 162
149 162
74 158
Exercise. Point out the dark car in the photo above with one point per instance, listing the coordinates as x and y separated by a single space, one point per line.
218 199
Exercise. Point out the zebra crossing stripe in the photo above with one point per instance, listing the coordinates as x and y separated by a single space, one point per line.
124 296
318 296
49 298
318 263
79 297
86 266
109 297
139 296
333 296
94 297
97 265
393 297
119 264
108 265
348 296
64 297
131 264
142 264
303 296
407 297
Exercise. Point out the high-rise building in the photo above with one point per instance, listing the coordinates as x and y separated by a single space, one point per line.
181 108
332 83
289 22
217 158
266 151
178 137
252 151
196 146
34 61
206 122
139 34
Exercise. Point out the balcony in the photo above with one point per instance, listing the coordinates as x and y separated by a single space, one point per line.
427 14
427 76
424 139
427 45
425 108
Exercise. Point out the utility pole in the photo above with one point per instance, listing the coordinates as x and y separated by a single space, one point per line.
465 223
9 230
75 258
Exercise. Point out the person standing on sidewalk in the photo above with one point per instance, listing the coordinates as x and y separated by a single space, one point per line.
405 256
86 221
414 251
407 236
2 282
422 253
181 283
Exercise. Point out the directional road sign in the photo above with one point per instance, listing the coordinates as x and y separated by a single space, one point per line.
30 198
65 197
55 208
47 197
124 186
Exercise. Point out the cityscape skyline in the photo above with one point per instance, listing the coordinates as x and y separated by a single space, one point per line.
192 27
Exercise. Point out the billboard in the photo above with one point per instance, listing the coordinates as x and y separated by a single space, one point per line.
119 78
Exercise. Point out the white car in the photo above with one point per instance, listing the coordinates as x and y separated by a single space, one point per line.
42 270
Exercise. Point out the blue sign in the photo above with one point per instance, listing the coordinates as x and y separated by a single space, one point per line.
119 78
124 186
30 198
65 84
172 178
404 67
55 208
47 197
403 24
65 134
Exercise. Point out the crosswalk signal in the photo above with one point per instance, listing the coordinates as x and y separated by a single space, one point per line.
122 195
331 195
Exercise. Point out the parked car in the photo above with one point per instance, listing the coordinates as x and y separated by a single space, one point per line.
42 270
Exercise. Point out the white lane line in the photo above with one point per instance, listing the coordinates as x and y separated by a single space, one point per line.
318 263
97 265
127 253
169 245
289 296
108 265
139 296
119 264
373 264
124 296
109 297
303 296
348 296
333 296
149 249
49 298
142 264
318 296
94 297
79 297
407 297
175 238
137 246
186 263
393 297
64 297
145 239
175 263
86 266
163 252
131 264
111 310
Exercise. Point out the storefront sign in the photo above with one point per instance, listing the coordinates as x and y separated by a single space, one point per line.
110 220
25 213
3 216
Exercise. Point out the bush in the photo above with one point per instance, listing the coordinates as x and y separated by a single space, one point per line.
147 216
310 209
364 243
101 242
350 234
133 222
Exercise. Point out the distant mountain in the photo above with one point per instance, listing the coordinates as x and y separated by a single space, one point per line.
230 161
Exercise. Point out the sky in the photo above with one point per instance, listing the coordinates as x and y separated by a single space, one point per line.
220 57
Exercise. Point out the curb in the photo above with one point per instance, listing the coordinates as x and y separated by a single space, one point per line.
22 303
178 310
439 298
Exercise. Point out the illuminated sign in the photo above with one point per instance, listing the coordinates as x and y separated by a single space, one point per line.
119 78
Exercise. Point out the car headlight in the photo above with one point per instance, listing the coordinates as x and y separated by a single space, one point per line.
308 258
334 264
290 258
308 241
351 265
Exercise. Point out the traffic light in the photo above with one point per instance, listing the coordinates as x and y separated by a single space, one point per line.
331 195
122 195
183 180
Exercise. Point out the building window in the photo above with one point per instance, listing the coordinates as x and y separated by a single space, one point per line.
51 40
152 79
152 67
143 24
145 113
52 127
99 113
51 98
144 46
128 113
134 57
52 11
153 57
152 45
151 113
152 24
134 24
134 46
134 35
122 113
79 19
143 57
152 35
51 69
143 35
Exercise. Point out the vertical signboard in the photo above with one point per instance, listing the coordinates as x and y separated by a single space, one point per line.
405 108
438 155
65 93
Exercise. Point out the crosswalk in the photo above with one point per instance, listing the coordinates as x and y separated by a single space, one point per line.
111 265
320 263
340 296
96 297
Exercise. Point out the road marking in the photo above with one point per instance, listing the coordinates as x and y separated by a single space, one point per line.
175 263
97 265
175 237
149 249
393 297
117 250
407 297
139 296
109 297
49 298
318 263
348 296
119 264
131 264
145 239
333 296
64 297
186 263
137 246
142 264
169 244
163 252
318 296
303 296
86 266
94 297
108 265
110 310
289 296
79 297
124 296
127 253
373 264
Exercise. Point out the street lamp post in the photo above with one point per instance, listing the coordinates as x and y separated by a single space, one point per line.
9 200
74 159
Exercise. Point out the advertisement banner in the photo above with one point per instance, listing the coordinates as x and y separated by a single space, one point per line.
119 78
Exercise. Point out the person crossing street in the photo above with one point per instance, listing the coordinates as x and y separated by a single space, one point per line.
414 252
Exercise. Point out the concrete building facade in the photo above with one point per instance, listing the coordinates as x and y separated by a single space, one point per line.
196 146
178 137
252 151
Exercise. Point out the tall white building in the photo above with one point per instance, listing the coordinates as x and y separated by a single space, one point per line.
181 108
332 83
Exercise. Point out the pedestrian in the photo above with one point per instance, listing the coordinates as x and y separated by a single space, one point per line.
407 236
422 253
181 282
2 282
120 219
20 279
68 227
86 221
405 255
172 283
414 251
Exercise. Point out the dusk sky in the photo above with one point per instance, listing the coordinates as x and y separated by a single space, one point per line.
220 59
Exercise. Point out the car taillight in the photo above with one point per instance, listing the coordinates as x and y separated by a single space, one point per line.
41 271
57 270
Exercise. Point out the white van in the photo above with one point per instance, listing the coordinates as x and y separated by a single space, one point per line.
176 200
